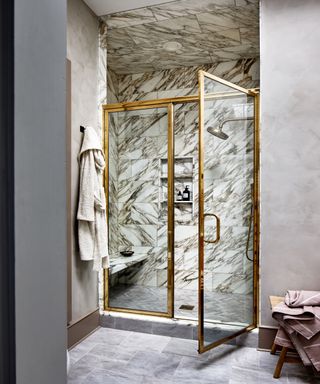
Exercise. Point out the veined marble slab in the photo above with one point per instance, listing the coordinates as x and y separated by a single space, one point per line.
136 39
120 263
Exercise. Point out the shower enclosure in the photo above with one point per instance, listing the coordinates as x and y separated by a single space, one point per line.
182 193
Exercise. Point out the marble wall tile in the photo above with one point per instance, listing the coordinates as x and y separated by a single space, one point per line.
124 213
163 30
230 261
186 279
187 7
129 18
145 169
244 72
140 147
231 283
138 235
113 86
162 235
144 213
144 191
186 145
141 191
184 214
144 275
185 235
162 277
124 168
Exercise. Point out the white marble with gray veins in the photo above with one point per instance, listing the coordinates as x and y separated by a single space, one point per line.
208 30
139 217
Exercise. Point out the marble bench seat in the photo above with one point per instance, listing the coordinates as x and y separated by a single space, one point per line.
120 263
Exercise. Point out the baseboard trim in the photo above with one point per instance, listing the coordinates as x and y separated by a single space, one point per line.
266 337
82 328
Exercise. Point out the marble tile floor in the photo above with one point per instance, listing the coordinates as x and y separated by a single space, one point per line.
225 307
112 356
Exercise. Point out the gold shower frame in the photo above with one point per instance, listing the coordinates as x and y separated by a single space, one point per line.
169 104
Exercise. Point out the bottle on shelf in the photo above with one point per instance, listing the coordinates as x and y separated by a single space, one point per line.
179 196
186 194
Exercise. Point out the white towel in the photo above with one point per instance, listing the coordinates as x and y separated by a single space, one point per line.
92 222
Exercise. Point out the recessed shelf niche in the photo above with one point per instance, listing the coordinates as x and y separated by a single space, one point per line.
183 176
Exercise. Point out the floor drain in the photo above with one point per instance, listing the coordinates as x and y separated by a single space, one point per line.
187 307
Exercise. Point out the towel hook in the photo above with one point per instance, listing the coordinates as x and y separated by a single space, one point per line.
82 128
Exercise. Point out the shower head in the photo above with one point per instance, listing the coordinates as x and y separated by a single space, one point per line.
217 131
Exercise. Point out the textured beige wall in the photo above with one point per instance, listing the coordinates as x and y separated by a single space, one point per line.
290 142
82 51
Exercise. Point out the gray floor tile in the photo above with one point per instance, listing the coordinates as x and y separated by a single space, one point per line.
101 376
145 342
109 336
111 356
303 379
113 352
202 370
241 375
78 372
81 349
183 347
155 364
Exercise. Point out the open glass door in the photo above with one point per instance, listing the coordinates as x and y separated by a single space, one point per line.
228 213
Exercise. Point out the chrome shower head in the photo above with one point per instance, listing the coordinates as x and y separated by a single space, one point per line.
217 131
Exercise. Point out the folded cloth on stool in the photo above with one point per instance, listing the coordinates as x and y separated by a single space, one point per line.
302 326
296 299
283 339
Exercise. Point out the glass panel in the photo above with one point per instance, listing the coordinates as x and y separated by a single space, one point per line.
228 176
138 174
186 127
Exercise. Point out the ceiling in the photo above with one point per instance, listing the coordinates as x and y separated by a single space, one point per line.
104 7
208 31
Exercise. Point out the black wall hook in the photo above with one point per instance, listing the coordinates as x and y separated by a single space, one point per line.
82 128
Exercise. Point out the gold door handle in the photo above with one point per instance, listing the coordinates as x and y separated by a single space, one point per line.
217 228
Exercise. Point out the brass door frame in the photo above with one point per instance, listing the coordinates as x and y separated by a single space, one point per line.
170 225
202 97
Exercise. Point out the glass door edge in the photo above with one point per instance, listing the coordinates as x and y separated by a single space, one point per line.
201 218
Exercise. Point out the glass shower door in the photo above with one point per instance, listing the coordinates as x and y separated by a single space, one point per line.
227 216
139 186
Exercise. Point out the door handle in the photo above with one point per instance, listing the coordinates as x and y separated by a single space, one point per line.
217 228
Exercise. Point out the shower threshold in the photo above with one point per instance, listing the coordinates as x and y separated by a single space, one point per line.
181 328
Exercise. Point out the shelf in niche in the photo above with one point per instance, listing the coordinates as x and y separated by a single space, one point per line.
178 158
179 176
178 202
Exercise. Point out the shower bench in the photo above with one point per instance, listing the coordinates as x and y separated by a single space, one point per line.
121 263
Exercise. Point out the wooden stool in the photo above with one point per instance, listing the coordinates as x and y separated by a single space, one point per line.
283 358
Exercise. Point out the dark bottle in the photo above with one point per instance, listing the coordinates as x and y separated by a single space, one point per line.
179 197
186 194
